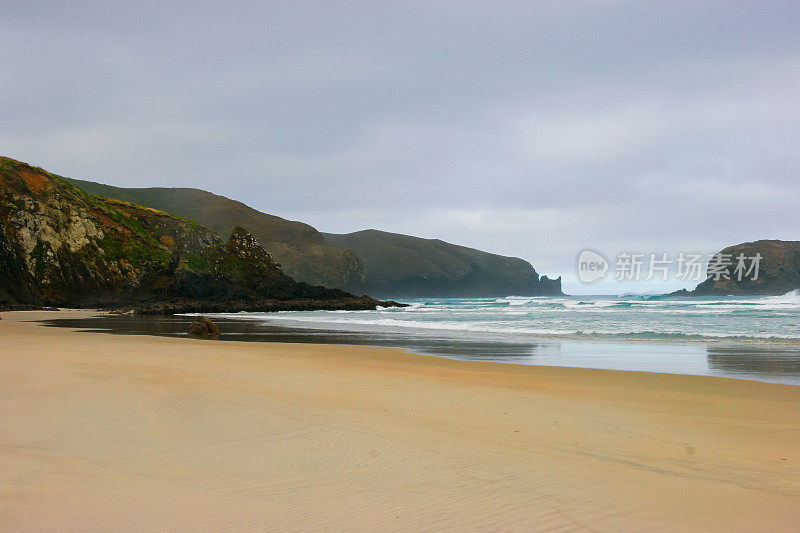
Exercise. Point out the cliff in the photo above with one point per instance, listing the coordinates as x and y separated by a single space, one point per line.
401 265
299 248
778 272
367 261
61 246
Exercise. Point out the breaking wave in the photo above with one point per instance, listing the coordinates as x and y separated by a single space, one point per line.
771 318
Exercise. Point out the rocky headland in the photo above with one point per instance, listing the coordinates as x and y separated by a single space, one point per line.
61 246
778 270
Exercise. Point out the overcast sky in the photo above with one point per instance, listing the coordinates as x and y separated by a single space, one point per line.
521 128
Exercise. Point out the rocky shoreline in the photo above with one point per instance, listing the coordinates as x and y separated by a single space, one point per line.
362 303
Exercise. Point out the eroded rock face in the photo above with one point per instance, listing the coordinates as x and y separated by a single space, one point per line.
64 247
204 328
60 246
778 272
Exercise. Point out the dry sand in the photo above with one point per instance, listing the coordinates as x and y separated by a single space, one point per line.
102 432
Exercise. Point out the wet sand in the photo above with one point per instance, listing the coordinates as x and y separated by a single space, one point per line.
774 362
106 432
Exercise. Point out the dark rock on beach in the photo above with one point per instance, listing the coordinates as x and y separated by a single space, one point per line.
204 328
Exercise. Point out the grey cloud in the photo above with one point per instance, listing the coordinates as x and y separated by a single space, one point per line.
530 129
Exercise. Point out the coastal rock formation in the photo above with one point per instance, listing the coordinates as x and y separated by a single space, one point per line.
778 270
367 261
61 246
299 248
204 328
401 265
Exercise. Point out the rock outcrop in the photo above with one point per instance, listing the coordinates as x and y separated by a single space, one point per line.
778 270
204 328
60 246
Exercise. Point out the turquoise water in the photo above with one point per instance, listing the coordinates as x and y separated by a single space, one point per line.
743 337
773 318
748 338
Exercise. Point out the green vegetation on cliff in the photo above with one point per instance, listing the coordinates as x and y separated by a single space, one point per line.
60 245
410 266
297 247
367 261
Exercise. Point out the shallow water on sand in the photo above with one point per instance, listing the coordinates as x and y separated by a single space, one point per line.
748 338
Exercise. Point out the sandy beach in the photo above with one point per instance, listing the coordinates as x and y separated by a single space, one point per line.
111 432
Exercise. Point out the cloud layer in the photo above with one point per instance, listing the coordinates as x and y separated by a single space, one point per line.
527 129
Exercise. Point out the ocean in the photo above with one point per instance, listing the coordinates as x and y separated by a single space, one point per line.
740 337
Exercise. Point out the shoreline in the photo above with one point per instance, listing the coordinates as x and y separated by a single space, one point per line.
140 432
588 337
688 357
